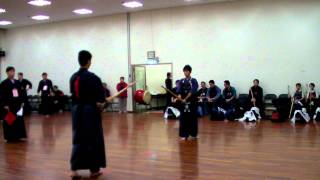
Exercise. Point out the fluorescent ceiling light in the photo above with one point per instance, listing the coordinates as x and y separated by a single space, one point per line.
132 4
39 2
191 0
40 17
5 23
2 10
83 11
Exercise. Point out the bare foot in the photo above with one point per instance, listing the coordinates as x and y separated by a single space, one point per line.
194 138
183 139
96 174
74 175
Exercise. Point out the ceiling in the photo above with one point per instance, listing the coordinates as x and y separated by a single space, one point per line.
19 11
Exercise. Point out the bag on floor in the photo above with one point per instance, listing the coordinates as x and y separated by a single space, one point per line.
171 113
317 114
217 114
301 116
252 115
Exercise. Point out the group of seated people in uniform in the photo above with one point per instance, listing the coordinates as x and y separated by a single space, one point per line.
225 105
305 106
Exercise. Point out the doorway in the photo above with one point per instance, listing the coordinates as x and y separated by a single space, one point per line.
150 77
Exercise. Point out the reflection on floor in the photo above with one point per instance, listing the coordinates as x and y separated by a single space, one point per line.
144 146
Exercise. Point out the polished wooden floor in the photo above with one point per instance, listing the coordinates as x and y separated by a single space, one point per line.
144 146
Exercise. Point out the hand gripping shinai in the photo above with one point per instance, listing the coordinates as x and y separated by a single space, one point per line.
172 93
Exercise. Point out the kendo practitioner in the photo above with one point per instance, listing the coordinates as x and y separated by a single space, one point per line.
202 99
59 99
298 98
255 103
12 104
88 98
312 100
214 101
25 85
45 89
300 112
229 95
168 83
187 97
256 95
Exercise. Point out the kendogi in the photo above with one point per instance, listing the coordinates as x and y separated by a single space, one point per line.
12 104
187 96
88 98
300 112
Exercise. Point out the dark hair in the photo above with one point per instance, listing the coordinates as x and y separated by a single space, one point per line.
44 74
122 77
10 68
202 82
312 84
187 68
227 82
20 74
84 57
168 74
256 80
177 81
298 84
211 82
55 86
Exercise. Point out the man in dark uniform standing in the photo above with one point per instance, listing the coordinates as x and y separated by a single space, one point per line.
88 97
45 88
168 83
12 103
187 96
25 85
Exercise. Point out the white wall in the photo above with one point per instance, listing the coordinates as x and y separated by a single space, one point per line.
53 48
275 41
155 75
2 34
2 40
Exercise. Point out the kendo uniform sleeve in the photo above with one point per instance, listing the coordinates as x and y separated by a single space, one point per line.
39 87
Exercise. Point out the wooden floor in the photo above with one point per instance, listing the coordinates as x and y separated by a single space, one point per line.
144 146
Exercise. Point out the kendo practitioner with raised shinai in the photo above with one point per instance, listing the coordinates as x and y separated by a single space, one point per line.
187 97
12 104
88 97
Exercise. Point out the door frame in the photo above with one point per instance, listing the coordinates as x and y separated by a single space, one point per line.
134 78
